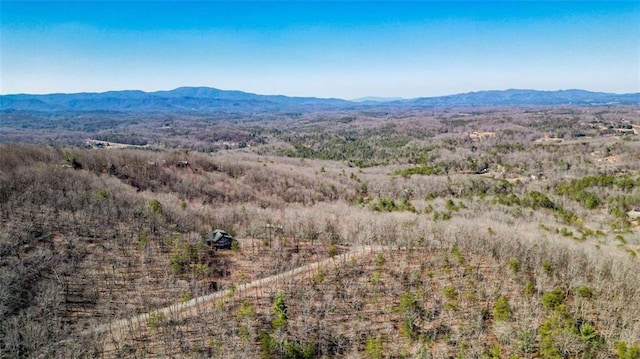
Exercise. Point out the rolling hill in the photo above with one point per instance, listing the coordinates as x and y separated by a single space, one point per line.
206 100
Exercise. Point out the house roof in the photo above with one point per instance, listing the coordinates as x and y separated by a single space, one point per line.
218 234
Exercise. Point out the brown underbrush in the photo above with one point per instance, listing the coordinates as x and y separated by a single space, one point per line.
487 247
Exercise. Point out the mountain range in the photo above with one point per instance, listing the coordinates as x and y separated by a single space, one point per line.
205 99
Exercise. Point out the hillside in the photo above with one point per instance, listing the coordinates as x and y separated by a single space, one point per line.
183 99
210 100
494 233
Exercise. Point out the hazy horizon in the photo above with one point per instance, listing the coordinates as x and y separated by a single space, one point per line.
357 99
336 49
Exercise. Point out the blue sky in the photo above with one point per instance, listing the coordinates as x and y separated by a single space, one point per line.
325 49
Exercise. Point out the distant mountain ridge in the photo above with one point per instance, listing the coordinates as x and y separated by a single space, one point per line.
182 99
207 99
532 97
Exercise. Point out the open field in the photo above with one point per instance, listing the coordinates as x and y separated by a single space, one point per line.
491 233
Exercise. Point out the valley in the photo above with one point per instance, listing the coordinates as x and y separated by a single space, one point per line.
372 232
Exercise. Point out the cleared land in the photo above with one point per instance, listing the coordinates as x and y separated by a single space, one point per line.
494 246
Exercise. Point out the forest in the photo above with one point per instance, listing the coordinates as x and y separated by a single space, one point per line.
497 232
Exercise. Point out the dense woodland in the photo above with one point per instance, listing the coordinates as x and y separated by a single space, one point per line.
452 233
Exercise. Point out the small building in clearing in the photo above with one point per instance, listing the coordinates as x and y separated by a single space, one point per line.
220 239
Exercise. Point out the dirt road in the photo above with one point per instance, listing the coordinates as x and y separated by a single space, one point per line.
178 310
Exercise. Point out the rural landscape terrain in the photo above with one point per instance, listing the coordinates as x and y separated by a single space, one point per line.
497 224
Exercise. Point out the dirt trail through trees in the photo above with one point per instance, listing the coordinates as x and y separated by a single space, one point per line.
191 307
